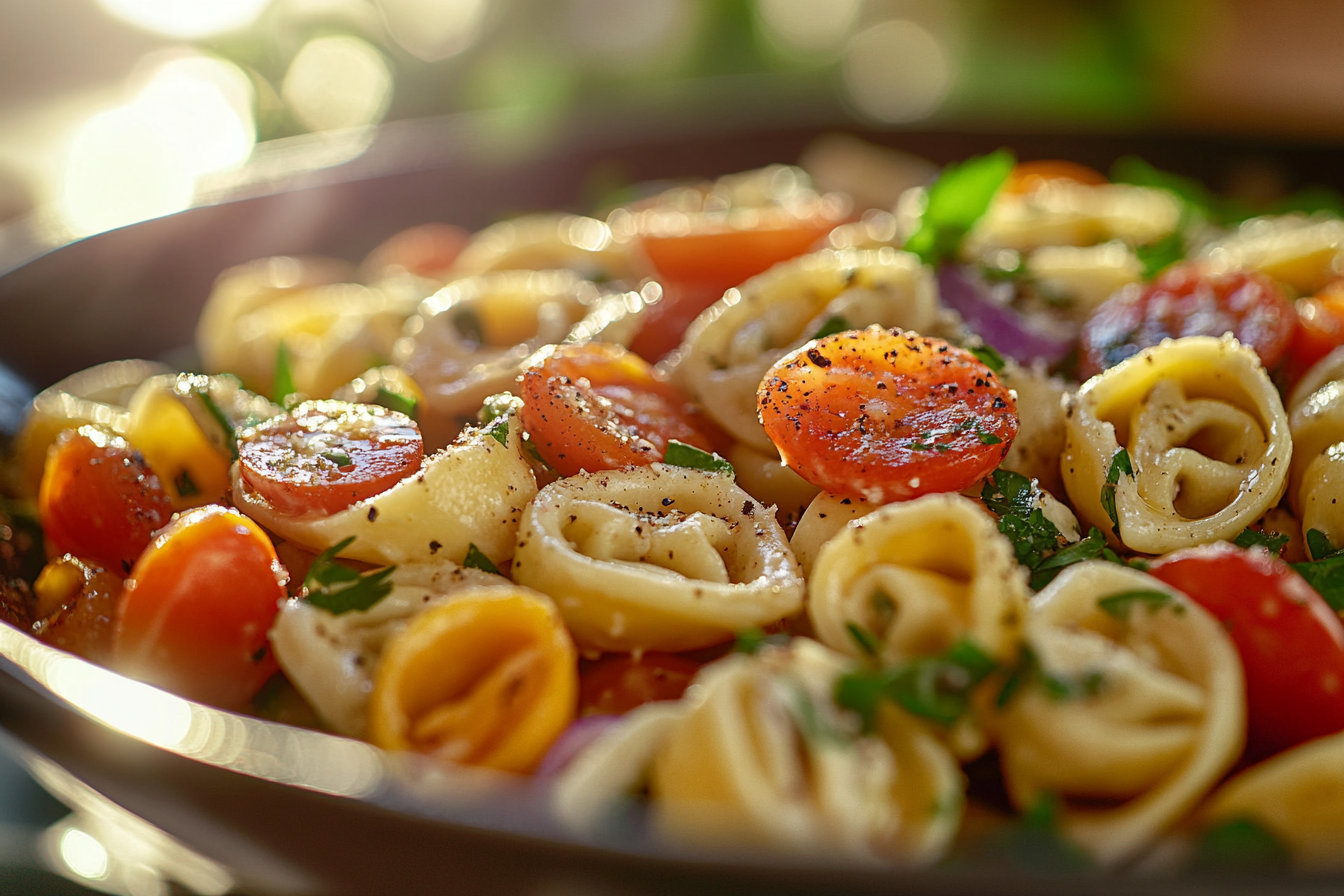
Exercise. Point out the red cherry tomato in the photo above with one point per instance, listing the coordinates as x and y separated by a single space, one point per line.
195 613
98 500
1184 300
697 267
1027 177
426 250
324 456
1291 643
597 406
617 683
886 416
1320 330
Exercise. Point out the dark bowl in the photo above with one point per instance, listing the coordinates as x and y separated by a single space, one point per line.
287 810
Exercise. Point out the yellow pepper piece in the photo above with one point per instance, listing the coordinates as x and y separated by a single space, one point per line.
489 678
191 469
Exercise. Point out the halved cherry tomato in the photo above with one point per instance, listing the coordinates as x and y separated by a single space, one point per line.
1027 177
597 406
76 607
98 500
324 456
195 613
1186 300
1320 330
885 415
1291 643
425 250
696 268
617 683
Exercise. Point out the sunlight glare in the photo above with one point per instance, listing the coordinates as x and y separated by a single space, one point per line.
338 82
186 19
83 854
433 29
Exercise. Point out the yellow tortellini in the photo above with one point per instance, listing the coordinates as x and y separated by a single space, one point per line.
657 558
543 242
1205 433
728 349
1316 484
1129 709
1304 251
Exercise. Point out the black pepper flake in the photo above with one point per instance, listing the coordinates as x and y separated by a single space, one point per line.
434 547
373 514
667 501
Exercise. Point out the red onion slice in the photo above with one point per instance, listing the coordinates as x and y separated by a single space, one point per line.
1014 335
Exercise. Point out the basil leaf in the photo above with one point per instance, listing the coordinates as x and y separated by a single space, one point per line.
680 454
1239 845
284 376
1254 538
832 325
1120 463
956 200
339 589
1327 577
395 401
1319 545
476 559
989 357
500 431
1119 605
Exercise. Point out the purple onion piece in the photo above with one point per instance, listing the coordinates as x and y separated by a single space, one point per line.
1012 334
572 741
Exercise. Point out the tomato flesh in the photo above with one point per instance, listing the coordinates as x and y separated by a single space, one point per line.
1320 330
617 683
195 613
598 406
887 416
425 250
1187 301
99 500
324 456
1290 642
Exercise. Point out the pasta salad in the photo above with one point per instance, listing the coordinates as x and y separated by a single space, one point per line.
1008 514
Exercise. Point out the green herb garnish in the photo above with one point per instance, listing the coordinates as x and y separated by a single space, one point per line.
1119 605
956 200
832 325
989 357
500 430
936 688
185 487
1120 463
395 401
753 639
1254 538
866 640
1325 573
284 376
338 457
217 414
476 559
1028 670
468 326
680 454
1239 845
339 589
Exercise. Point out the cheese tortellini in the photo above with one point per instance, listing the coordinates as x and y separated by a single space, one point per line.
728 349
1316 484
1128 707
657 558
757 754
1206 436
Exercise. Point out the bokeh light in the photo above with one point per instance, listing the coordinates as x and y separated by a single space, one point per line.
433 29
897 71
83 854
192 116
805 27
186 19
630 33
336 82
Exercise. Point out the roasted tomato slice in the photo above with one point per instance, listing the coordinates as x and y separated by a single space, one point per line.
98 499
1185 300
617 683
597 406
195 613
887 416
324 456
1291 643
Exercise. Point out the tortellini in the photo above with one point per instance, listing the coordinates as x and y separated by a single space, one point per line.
657 558
471 339
487 678
1297 796
728 349
472 492
1306 252
758 755
1317 481
1040 424
331 658
919 576
1206 435
544 242
1128 707
1083 276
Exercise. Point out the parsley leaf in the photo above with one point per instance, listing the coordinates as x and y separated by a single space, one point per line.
1239 845
1119 605
1253 538
936 687
395 401
989 357
1120 463
338 457
476 559
1319 545
339 589
832 325
753 639
866 640
217 414
1028 670
956 200
500 430
680 454
1326 572
284 376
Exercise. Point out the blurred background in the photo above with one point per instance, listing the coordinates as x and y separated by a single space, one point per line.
113 111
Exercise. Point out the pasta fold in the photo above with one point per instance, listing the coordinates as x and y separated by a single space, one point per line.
656 558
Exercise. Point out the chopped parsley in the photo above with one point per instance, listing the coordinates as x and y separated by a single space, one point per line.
499 430
1120 605
679 454
832 325
956 201
338 457
217 414
339 589
936 687
1326 572
1028 671
476 559
1254 538
395 401
185 487
988 356
1241 844
866 640
284 377
753 639
1120 463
